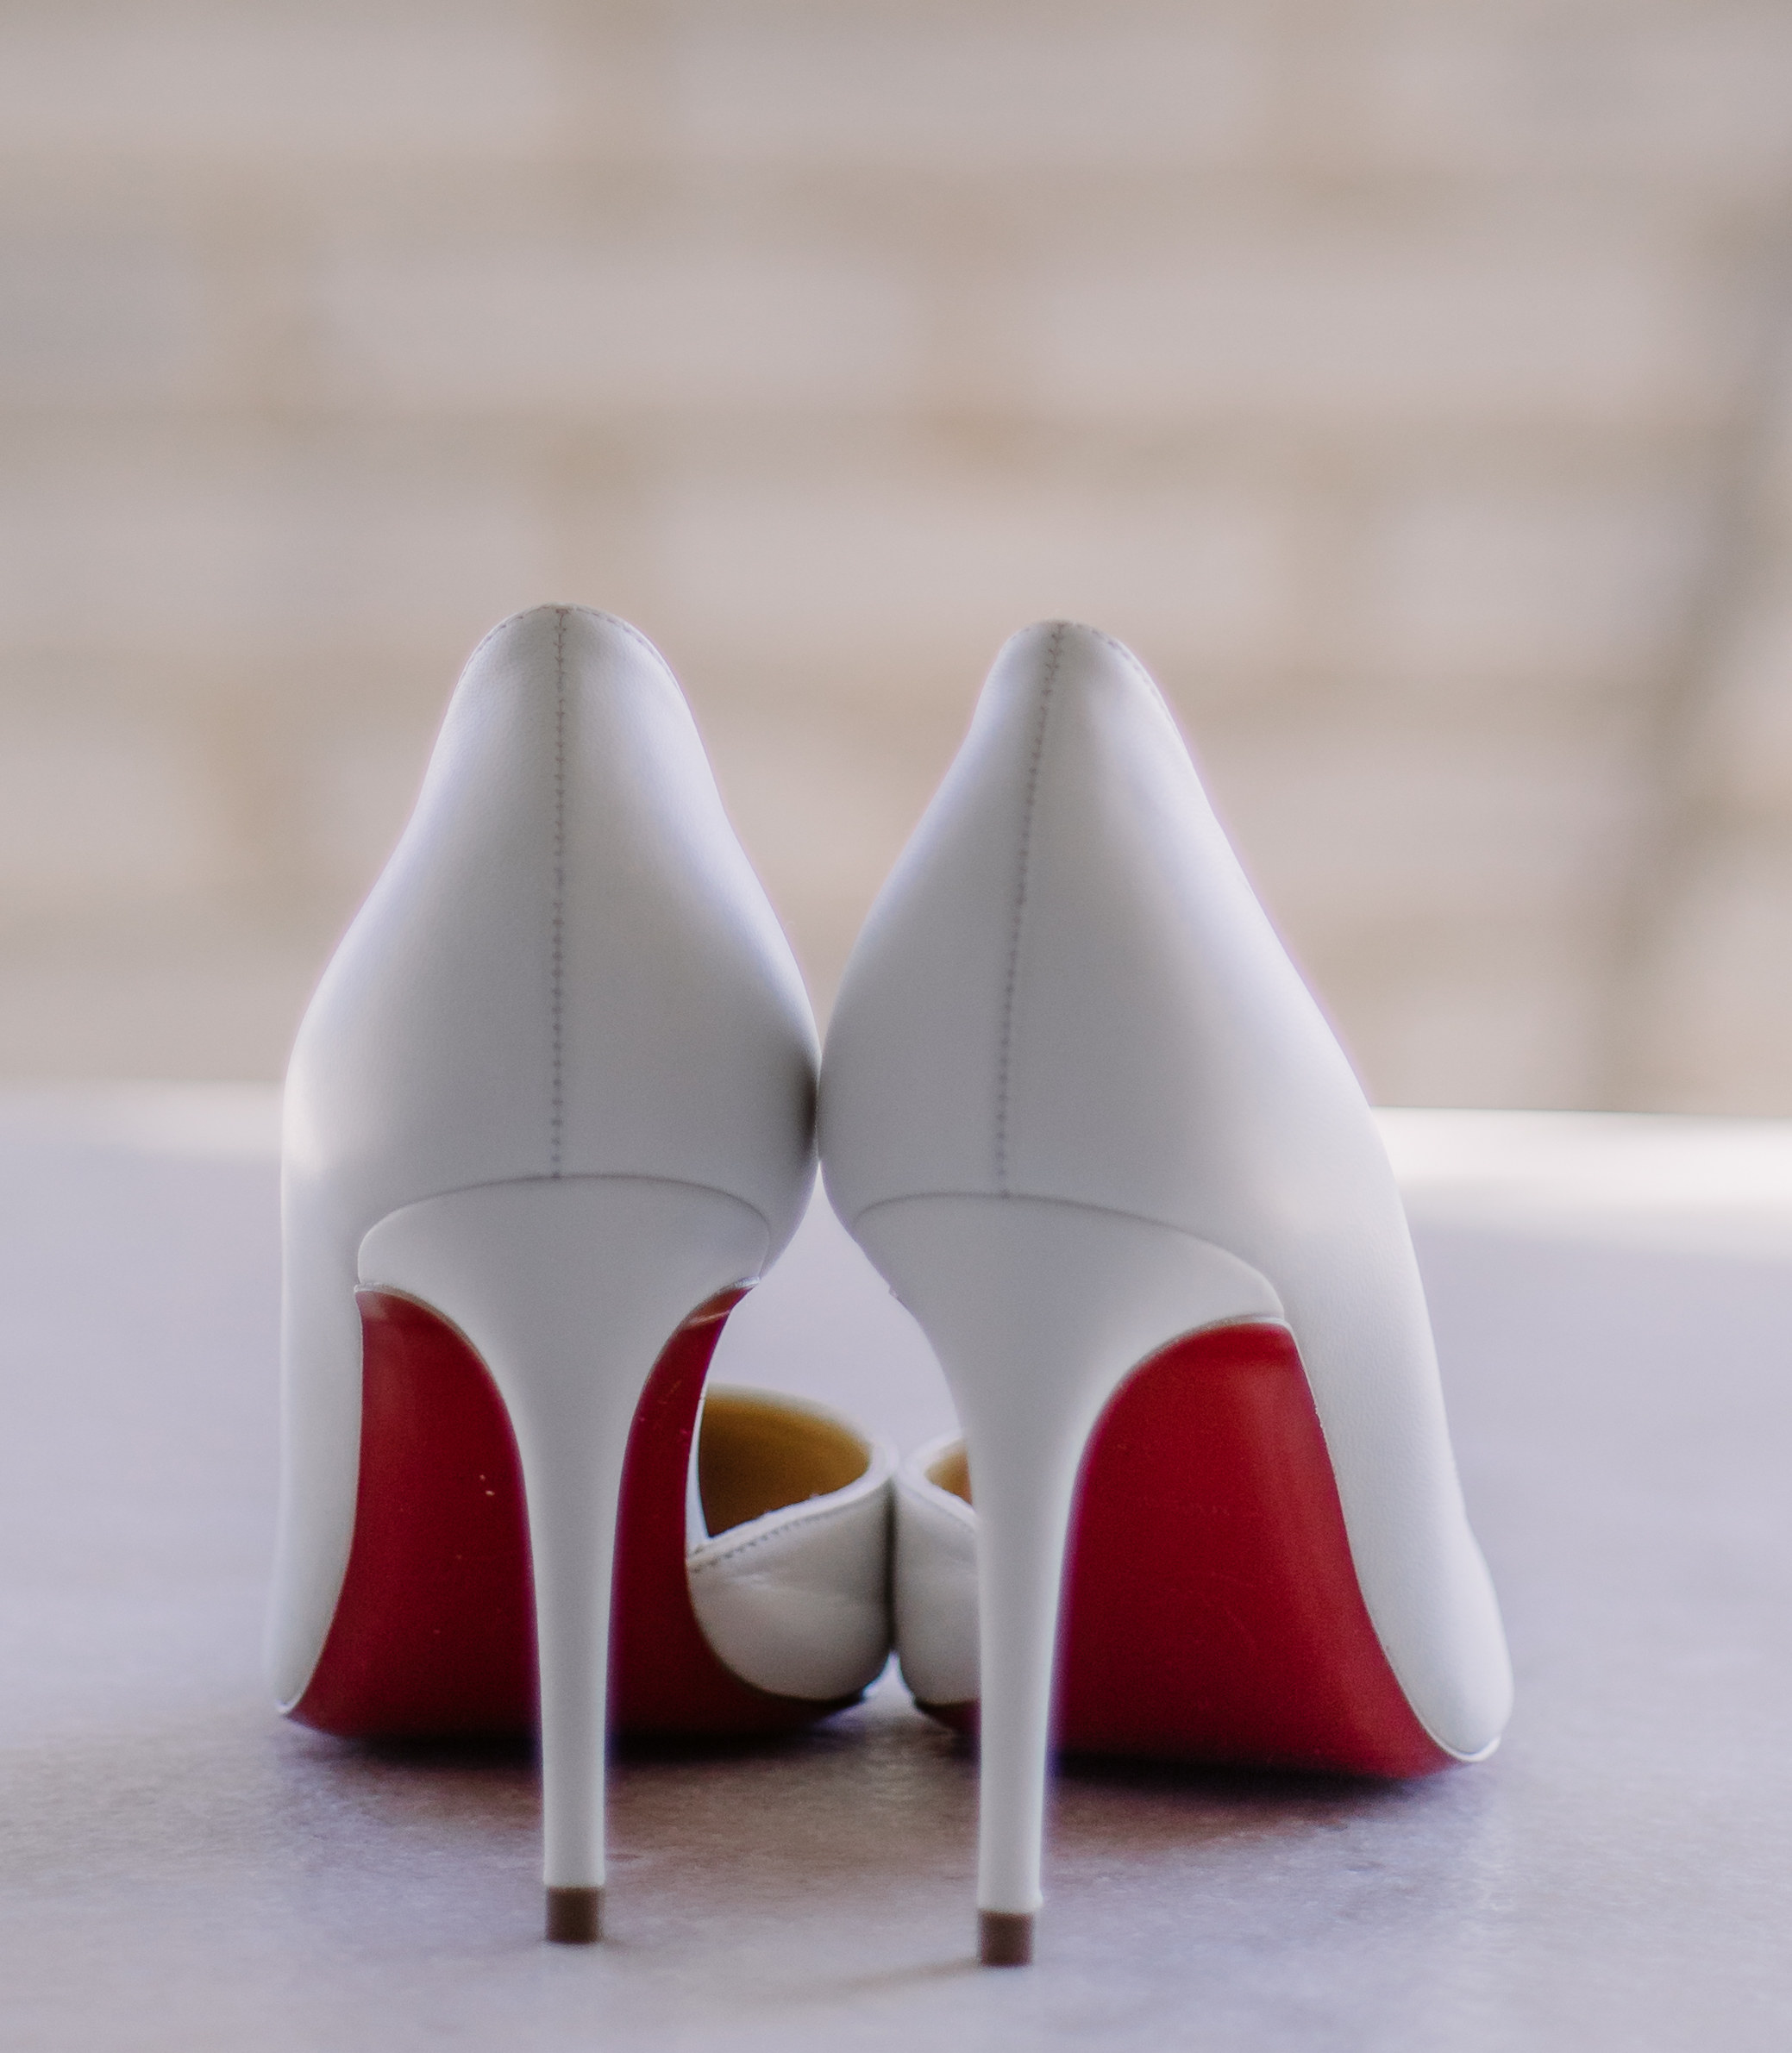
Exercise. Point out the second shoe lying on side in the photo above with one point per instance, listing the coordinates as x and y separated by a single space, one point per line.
1081 1113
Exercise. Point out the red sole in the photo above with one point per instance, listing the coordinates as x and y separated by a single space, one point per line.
434 1631
1211 1610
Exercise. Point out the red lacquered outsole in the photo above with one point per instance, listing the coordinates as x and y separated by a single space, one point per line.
434 1631
1210 1608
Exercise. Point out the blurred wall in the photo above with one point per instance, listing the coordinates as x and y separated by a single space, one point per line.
1410 386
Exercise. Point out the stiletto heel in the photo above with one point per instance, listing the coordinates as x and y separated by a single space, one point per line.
1061 1301
1078 1109
569 1290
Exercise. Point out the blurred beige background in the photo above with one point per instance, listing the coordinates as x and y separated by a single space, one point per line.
1410 385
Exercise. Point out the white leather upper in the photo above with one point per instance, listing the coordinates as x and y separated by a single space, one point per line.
567 969
933 1580
797 1601
1068 990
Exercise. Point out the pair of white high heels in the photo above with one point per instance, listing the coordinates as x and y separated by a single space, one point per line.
553 1108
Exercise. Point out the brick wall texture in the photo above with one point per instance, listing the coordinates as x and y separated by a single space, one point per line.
1411 384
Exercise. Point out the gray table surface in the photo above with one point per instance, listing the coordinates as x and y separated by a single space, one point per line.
181 1869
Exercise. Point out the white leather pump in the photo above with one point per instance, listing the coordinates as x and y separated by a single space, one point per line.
1081 1113
548 1113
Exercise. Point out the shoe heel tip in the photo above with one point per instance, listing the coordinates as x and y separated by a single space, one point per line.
1005 1938
575 1917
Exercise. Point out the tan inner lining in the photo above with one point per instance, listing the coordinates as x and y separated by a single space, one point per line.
952 1472
755 1455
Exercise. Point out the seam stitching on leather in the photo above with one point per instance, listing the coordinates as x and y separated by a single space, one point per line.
591 613
780 1532
1005 1040
557 1115
1153 688
1112 1211
499 1183
628 628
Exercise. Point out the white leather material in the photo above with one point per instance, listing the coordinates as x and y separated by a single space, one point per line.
1067 991
797 1601
567 969
934 1581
